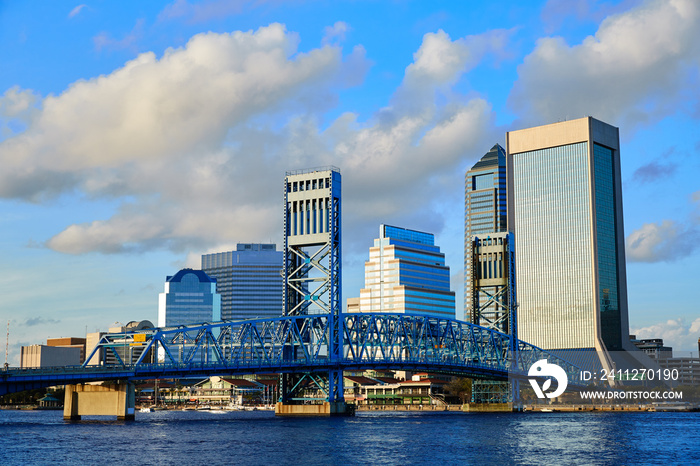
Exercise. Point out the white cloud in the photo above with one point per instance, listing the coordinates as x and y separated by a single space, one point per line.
75 11
16 103
141 118
335 33
677 333
440 61
640 65
195 144
661 242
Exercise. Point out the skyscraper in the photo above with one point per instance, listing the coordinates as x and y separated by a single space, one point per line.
484 212
189 298
249 281
406 273
565 208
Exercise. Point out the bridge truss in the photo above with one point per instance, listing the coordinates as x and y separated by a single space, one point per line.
301 346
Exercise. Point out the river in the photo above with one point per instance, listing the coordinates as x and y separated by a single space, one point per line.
395 438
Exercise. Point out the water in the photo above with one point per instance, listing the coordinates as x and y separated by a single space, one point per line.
260 438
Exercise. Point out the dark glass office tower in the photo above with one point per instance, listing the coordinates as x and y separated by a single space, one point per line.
565 208
484 211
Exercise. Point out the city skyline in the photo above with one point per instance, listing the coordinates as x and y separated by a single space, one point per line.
126 129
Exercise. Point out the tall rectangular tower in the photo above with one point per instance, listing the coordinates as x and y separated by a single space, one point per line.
249 281
484 215
565 208
312 266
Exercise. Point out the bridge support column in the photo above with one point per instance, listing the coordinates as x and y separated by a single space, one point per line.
336 408
100 400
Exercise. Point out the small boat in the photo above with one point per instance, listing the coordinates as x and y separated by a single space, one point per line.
146 410
546 410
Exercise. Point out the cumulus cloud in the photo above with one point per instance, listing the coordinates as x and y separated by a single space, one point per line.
17 108
195 144
126 128
16 102
677 333
667 241
640 65
335 33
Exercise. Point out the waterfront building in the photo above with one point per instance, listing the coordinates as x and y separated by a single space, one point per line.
190 297
406 273
249 281
565 208
484 214
418 391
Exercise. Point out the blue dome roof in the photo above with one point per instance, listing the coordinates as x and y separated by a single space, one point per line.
203 277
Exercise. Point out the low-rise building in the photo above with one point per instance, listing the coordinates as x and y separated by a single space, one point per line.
420 390
69 342
35 356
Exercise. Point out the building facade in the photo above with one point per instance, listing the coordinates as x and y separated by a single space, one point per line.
484 212
653 347
406 273
35 356
69 342
249 281
190 297
565 208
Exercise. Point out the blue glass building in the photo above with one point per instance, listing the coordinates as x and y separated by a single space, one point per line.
249 281
406 273
189 298
485 204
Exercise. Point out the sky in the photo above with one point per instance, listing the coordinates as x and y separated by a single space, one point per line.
136 136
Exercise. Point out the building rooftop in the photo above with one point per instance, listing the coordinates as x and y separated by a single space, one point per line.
201 275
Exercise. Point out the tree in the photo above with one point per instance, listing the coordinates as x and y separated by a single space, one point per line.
460 387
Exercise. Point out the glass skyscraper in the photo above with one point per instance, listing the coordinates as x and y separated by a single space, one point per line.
565 208
484 211
248 280
406 273
189 298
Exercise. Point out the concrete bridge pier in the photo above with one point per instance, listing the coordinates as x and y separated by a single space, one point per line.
336 408
117 399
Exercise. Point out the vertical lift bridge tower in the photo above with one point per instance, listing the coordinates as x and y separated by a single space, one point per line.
312 282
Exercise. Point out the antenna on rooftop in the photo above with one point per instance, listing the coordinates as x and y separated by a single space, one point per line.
7 343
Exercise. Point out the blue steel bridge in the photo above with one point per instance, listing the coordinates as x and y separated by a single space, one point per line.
298 345
314 342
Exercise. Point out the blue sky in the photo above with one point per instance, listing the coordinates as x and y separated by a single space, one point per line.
135 136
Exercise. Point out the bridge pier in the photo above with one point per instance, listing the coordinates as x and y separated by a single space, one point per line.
117 399
335 408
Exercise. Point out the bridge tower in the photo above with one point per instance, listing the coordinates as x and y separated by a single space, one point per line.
312 276
494 302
